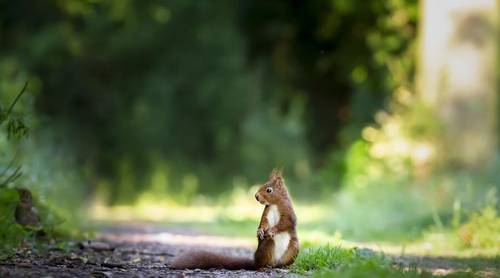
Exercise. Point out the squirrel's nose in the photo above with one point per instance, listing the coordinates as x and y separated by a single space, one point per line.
257 196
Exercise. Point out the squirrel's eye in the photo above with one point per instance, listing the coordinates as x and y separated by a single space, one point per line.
269 190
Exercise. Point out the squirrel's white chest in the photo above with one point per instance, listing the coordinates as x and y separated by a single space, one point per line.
282 239
273 215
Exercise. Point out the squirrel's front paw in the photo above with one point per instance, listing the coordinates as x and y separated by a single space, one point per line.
271 232
260 233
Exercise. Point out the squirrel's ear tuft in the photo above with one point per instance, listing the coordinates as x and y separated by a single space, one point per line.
276 173
276 177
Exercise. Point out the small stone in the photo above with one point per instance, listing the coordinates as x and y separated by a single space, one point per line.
96 246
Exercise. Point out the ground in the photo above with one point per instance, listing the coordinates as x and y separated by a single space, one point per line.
146 249
140 250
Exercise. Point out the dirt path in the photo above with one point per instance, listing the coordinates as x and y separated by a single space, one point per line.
132 250
146 250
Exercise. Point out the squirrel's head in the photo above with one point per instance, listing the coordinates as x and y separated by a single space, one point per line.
273 191
24 195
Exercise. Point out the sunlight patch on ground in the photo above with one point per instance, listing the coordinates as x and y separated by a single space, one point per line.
180 239
235 225
173 213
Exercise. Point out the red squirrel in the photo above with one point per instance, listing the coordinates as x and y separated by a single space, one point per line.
278 244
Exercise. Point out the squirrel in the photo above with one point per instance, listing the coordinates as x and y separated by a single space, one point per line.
26 214
278 244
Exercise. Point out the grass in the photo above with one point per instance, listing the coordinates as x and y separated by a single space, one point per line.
328 261
323 258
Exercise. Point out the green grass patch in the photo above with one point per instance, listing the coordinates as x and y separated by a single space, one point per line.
328 261
323 258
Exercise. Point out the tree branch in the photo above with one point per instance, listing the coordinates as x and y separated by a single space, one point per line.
17 97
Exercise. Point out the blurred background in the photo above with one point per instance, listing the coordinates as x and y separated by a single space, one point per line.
382 114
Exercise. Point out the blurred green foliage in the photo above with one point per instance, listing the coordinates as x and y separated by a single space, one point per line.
183 100
218 90
396 181
12 127
345 57
11 234
19 158
481 230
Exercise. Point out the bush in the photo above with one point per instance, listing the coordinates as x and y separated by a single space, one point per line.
28 162
482 230
11 234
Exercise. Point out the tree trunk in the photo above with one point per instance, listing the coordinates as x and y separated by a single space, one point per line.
457 75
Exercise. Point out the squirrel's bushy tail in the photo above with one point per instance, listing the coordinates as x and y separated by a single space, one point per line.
207 260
